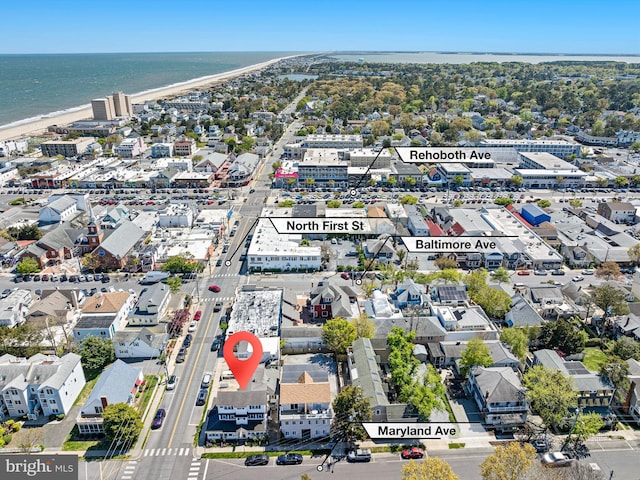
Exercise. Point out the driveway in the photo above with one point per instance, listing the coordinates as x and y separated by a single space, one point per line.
43 432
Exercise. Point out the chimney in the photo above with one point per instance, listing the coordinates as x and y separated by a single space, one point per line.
105 402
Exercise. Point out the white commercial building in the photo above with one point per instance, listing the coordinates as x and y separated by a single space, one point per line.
273 251
176 216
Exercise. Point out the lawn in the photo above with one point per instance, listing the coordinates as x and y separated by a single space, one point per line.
594 358
86 390
150 384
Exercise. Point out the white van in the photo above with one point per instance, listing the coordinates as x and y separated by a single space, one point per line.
206 380
227 375
153 277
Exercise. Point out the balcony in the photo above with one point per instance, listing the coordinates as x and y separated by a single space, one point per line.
489 410
300 415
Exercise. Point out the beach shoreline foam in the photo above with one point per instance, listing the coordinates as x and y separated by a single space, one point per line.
39 124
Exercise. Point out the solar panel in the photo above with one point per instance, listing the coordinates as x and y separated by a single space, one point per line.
576 368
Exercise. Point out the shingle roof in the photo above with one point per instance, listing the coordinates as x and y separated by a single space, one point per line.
116 384
128 336
498 384
305 390
108 302
123 239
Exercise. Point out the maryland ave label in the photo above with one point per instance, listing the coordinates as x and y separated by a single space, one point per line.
451 244
444 154
426 431
321 225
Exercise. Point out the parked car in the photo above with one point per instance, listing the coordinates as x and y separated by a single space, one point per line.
524 272
215 346
541 273
256 460
577 278
202 397
159 418
557 271
359 455
105 278
588 271
181 354
171 383
413 452
289 459
345 276
192 327
187 340
214 288
197 315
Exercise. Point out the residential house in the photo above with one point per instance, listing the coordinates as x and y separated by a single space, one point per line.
380 248
40 385
365 373
627 325
305 402
14 307
500 397
449 295
114 250
331 301
409 293
448 354
239 415
632 402
464 323
618 212
103 314
211 163
151 306
522 313
242 170
185 147
140 342
595 392
119 383
54 307
114 216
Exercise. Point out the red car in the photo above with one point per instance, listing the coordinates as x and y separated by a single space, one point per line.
214 288
524 272
345 276
413 452
197 315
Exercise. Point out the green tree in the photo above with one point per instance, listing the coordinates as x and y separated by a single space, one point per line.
91 261
401 254
574 202
358 204
408 200
617 371
500 275
608 270
445 262
350 409
626 348
516 180
476 281
476 354
182 264
431 468
551 394
587 425
544 203
503 201
334 204
27 265
174 284
621 181
286 204
611 300
517 340
494 301
450 275
563 335
457 180
365 328
96 353
634 253
25 232
511 461
338 334
635 146
121 423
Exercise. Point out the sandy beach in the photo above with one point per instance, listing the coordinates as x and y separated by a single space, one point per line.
41 124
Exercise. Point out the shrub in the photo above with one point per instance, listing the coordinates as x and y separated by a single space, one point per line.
594 342
7 438
52 417
16 427
60 416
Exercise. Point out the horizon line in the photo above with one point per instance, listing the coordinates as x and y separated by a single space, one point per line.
343 52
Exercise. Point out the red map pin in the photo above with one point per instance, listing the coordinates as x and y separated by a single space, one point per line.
242 369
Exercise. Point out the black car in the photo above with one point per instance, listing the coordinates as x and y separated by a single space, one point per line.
216 344
159 418
219 263
202 397
63 277
289 459
187 340
256 460
105 278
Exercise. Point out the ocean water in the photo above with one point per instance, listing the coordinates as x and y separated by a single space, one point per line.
35 85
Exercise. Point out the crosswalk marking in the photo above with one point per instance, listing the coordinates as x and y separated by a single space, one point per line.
161 452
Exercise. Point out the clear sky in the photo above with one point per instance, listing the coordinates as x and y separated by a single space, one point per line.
542 26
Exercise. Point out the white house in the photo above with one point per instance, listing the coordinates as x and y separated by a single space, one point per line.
40 385
103 314
239 415
59 210
119 383
14 307
305 402
159 150
151 306
131 147
139 342
176 215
